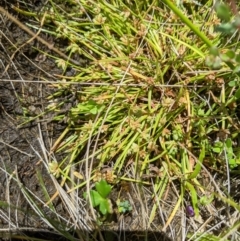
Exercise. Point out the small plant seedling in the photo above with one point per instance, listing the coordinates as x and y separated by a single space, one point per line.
124 206
219 147
99 197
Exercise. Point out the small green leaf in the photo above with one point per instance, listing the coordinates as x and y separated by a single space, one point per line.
94 110
96 198
236 69
237 58
105 207
223 11
232 163
228 143
230 54
103 188
201 112
218 147
232 83
226 28
237 94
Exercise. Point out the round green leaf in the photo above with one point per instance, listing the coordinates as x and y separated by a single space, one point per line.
103 188
223 11
105 207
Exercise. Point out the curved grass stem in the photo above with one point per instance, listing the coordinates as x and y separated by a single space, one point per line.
185 20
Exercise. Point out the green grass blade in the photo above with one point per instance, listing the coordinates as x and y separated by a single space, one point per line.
185 20
198 165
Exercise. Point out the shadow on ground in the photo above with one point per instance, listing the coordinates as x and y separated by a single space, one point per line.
95 236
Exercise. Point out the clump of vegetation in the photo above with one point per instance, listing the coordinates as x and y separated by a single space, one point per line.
157 106
124 206
99 198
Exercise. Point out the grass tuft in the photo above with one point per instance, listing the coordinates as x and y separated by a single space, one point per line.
147 112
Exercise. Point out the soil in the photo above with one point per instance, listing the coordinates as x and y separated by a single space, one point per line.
21 152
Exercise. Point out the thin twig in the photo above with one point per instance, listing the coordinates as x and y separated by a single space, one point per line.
15 148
